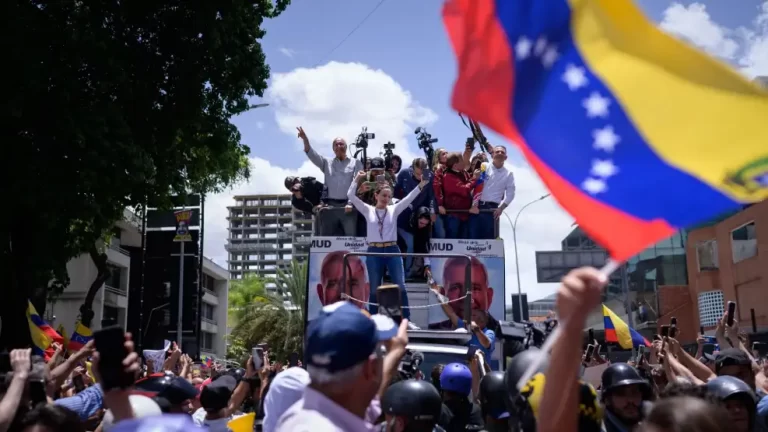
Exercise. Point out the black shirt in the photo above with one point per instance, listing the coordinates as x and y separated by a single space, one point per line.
462 416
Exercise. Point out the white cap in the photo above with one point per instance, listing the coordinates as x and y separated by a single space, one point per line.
142 406
285 390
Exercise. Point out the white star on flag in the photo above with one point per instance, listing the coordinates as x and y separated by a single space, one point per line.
550 57
575 77
605 139
523 48
603 168
596 105
594 186
541 45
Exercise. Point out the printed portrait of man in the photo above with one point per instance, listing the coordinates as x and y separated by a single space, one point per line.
329 289
453 287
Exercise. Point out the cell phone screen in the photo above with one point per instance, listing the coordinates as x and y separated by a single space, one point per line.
110 343
731 312
664 331
258 357
389 302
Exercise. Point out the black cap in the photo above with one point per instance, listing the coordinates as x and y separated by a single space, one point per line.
493 391
731 357
622 375
215 396
377 163
414 399
174 389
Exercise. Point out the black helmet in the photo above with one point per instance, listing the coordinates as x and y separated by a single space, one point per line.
725 387
170 387
515 371
621 375
418 400
493 391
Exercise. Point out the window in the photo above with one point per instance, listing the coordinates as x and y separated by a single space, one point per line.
744 242
706 253
711 306
207 311
115 277
206 341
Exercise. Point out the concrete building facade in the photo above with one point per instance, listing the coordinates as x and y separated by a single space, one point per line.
214 310
728 261
265 234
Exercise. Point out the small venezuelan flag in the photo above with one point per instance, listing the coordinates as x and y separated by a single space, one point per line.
477 192
81 336
43 335
619 332
628 127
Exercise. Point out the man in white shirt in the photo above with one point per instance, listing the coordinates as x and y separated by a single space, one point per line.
345 361
498 192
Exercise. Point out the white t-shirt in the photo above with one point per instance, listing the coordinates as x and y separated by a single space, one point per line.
382 223
217 425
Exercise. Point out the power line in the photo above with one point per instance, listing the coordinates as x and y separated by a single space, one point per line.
360 24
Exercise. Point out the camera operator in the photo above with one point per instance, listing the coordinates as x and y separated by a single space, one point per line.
407 180
307 194
376 176
339 173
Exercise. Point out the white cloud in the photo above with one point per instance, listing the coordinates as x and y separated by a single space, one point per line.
260 125
334 100
287 52
745 46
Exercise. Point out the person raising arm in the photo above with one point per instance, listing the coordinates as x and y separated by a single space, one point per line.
381 219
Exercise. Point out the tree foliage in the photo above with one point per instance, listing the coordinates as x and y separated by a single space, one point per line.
110 104
265 317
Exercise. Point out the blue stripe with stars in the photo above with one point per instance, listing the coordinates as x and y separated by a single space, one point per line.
575 125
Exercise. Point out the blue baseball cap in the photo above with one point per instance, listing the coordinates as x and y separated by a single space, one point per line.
341 336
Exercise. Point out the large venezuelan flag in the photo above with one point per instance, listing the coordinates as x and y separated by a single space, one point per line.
619 332
634 133
43 335
81 336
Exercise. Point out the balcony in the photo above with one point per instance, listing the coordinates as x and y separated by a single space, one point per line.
115 297
115 246
210 297
209 325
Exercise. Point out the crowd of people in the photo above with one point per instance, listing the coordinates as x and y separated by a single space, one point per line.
463 194
353 379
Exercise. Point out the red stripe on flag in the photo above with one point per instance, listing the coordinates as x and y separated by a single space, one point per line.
610 336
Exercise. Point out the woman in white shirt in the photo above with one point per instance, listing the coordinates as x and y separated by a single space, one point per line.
381 220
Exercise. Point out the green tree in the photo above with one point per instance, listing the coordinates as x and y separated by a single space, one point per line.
113 105
270 318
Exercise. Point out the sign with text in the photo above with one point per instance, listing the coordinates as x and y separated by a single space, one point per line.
487 274
183 219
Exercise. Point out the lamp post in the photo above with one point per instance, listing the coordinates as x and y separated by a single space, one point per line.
259 105
517 259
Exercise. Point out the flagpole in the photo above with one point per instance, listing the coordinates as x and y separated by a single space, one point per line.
627 306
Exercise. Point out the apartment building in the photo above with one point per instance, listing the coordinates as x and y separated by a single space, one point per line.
111 301
728 261
213 314
265 233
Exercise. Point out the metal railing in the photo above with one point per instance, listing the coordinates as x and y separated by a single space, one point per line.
209 321
496 227
118 291
115 246
209 291
467 275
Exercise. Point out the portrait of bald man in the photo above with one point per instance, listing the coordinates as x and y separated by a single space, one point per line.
329 288
453 287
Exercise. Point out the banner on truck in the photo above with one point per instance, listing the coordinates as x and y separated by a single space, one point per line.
487 291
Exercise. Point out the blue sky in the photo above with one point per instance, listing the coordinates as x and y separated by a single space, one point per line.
405 39
396 72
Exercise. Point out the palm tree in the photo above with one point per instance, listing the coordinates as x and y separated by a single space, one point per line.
276 318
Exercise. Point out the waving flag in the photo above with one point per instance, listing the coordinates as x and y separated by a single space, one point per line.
619 332
477 192
63 332
81 336
43 335
634 133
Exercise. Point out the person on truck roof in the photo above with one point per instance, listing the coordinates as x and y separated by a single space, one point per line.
329 289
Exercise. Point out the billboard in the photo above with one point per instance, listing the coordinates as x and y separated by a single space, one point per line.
325 273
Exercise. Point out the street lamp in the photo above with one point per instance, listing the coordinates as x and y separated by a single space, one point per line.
517 260
259 105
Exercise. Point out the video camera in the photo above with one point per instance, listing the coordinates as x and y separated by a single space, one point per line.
425 141
388 153
409 364
361 143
